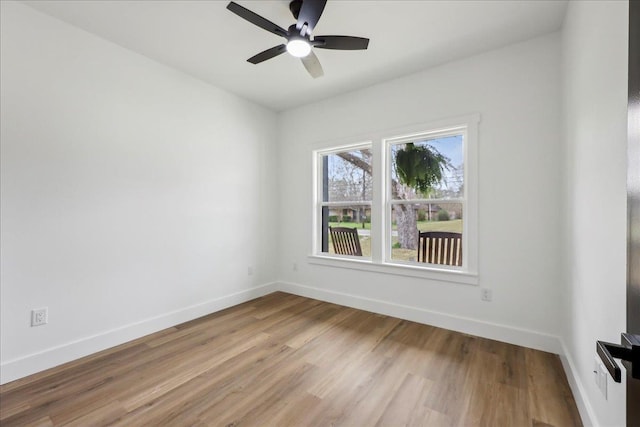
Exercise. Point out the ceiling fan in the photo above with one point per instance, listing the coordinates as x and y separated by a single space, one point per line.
300 40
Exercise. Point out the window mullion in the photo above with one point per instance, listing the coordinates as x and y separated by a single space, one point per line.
347 203
425 201
378 236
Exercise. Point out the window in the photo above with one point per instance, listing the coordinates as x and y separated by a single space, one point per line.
410 195
345 194
425 188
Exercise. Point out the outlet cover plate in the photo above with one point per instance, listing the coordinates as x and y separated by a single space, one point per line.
39 316
486 294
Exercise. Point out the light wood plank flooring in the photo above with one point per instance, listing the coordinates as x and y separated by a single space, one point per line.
284 360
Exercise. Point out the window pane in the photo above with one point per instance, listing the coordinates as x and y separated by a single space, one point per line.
347 176
409 220
428 169
349 217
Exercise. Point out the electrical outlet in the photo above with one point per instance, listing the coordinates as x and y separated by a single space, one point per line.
603 381
39 316
486 294
250 271
601 376
295 266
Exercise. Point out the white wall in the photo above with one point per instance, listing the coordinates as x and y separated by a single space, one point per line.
594 46
133 196
126 185
517 92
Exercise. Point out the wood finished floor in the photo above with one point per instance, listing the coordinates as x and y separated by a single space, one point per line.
285 360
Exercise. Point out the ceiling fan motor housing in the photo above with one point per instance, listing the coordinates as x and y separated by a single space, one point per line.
294 33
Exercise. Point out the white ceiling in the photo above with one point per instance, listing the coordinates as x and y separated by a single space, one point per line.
202 38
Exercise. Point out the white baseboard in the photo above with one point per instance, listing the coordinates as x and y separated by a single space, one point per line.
494 331
37 362
579 394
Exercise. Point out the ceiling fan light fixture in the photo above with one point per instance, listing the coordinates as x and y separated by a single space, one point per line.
300 40
298 48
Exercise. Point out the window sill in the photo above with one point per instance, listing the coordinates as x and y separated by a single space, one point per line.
365 264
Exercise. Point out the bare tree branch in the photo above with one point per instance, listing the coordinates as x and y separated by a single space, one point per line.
355 160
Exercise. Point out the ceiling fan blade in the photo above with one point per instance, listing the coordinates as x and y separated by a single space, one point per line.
268 54
310 13
256 19
312 64
340 42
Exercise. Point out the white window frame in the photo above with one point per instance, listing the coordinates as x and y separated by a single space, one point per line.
379 143
390 201
319 203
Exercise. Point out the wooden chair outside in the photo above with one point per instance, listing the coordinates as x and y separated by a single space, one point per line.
345 241
437 247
